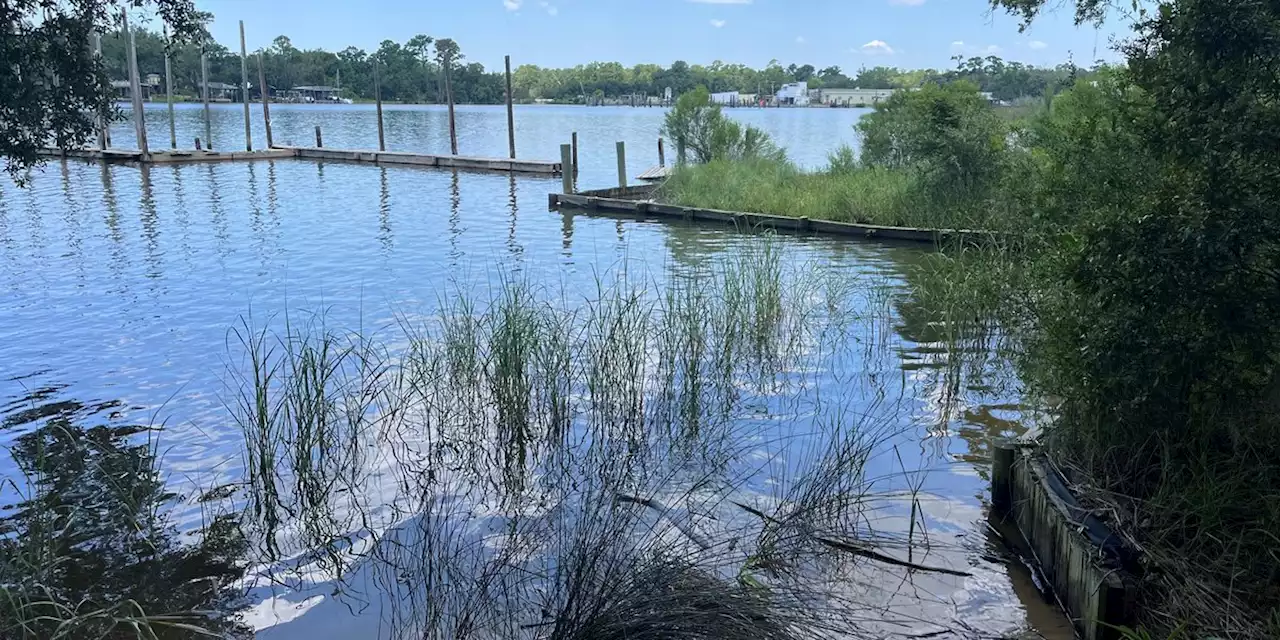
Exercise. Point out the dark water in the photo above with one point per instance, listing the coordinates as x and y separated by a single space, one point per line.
807 134
121 288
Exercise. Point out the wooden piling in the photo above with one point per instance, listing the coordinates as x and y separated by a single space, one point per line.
168 91
622 164
204 94
567 167
1002 456
244 89
319 141
448 90
197 144
377 97
266 100
135 87
102 121
662 154
575 153
511 112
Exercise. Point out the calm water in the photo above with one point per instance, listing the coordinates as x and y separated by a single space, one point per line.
121 288
807 134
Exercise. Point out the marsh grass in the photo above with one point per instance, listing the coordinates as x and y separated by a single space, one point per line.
844 192
636 462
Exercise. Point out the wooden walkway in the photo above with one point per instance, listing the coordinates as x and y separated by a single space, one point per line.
469 163
168 156
636 200
653 174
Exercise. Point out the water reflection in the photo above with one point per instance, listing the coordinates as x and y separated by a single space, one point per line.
384 210
302 237
87 550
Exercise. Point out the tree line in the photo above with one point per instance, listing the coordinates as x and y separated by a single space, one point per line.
413 71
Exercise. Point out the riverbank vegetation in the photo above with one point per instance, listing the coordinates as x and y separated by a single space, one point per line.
1142 294
930 158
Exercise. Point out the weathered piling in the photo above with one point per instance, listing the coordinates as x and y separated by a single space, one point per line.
377 98
662 155
135 86
168 91
266 101
197 144
204 94
511 113
567 167
575 152
244 90
622 164
448 90
319 140
102 120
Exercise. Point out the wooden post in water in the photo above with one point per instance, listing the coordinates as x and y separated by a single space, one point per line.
135 88
377 96
1003 453
511 113
319 141
266 100
197 144
168 91
622 164
102 121
566 168
662 154
244 90
575 153
448 90
204 94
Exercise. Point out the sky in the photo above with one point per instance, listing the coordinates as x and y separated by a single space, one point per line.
563 33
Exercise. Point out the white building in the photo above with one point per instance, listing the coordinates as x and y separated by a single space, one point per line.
726 98
794 94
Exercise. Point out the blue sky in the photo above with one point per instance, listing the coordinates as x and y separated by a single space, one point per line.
848 33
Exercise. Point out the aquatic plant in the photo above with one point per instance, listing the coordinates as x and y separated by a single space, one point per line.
634 462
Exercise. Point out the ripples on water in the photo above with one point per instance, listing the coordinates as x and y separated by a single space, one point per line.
121 288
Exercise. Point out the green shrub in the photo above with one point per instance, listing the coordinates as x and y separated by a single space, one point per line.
702 133
948 134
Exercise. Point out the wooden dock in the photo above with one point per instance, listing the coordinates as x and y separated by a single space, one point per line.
503 165
655 174
637 201
171 156
468 163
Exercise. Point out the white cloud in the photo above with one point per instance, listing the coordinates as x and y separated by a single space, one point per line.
512 5
723 1
907 3
994 49
877 48
1037 45
551 9
801 40
718 23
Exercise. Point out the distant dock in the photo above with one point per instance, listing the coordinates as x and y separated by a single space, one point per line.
468 163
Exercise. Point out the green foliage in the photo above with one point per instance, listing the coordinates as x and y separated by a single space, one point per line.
54 90
1151 302
702 133
948 134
